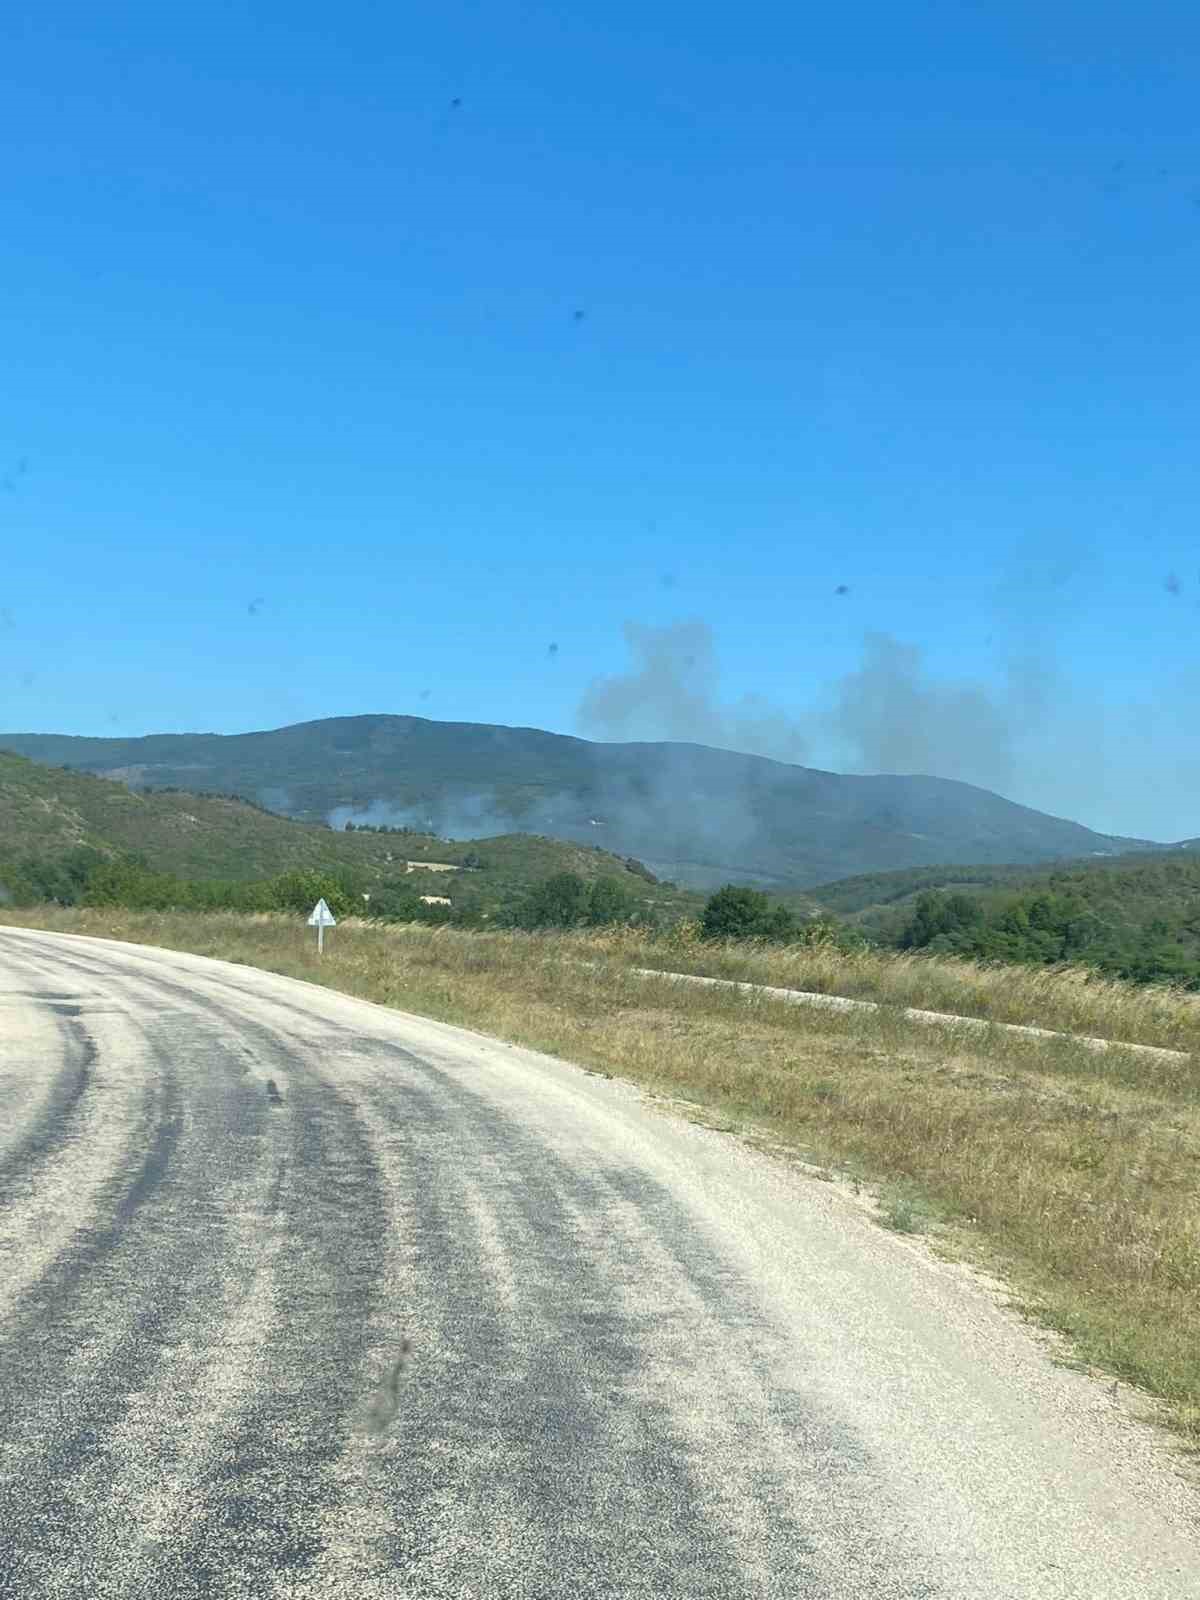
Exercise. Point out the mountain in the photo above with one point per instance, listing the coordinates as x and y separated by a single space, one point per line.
55 823
693 814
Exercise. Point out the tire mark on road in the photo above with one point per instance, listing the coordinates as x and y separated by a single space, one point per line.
515 1201
517 1398
259 1500
262 1480
565 1392
53 1209
57 1119
130 1287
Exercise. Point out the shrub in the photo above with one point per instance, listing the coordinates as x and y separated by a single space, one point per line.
300 891
559 901
609 901
737 912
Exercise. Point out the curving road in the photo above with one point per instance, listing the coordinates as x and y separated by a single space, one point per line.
304 1297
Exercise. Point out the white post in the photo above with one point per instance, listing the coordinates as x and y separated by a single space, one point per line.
320 938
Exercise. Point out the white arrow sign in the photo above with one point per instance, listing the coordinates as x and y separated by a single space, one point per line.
321 918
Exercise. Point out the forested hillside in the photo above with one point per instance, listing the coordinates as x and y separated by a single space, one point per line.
1136 917
68 836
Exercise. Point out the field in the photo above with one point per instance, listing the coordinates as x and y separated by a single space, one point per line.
1070 1174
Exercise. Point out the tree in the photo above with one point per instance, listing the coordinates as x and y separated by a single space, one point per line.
559 901
609 901
395 902
125 883
737 912
300 891
941 919
778 924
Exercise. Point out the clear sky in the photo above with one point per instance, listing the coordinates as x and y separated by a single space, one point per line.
558 364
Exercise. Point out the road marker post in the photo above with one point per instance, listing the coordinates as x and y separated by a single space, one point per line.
321 918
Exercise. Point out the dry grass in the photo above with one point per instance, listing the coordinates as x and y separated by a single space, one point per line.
1073 1174
1072 999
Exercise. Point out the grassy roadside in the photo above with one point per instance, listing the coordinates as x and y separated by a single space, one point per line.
1070 999
1072 1174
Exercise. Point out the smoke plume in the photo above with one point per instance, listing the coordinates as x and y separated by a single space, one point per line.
1032 735
671 693
887 716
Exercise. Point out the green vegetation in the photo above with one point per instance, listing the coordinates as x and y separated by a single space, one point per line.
124 883
736 912
1137 918
566 901
563 900
904 1208
46 814
72 838
373 827
872 892
28 879
746 916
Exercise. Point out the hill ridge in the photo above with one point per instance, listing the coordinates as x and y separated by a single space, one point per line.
692 812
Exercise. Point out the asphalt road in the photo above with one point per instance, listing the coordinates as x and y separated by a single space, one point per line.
303 1297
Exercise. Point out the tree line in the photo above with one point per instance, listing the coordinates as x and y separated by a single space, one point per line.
1160 943
1049 927
560 901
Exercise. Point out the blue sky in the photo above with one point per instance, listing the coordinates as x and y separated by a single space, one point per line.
354 357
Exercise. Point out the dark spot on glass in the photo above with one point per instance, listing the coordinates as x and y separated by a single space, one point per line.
842 588
1172 584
